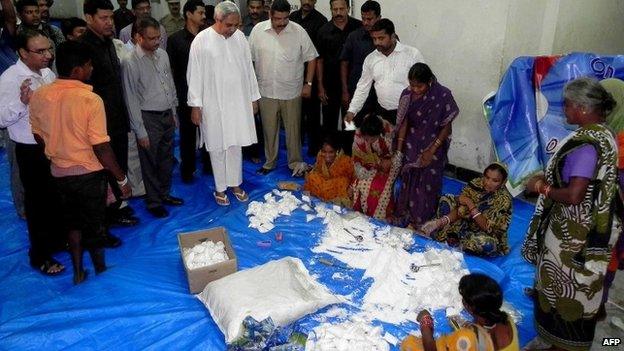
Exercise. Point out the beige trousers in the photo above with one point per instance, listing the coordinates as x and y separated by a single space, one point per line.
289 112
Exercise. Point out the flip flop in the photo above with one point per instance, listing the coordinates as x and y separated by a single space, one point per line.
48 264
242 196
222 200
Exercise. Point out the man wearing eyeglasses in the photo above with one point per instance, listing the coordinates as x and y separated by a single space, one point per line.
40 197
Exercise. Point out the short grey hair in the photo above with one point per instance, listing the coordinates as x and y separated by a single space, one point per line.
587 92
224 9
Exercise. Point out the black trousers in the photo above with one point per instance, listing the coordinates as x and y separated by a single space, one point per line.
119 144
311 122
41 202
388 115
188 144
332 111
256 150
157 162
83 200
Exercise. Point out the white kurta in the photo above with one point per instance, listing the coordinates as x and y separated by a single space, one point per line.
222 81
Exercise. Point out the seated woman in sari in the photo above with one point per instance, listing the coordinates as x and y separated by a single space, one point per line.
476 220
575 224
376 168
332 174
492 329
424 117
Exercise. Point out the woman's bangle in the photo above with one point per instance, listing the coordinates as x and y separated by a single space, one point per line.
437 142
476 215
426 321
473 211
546 190
538 184
123 182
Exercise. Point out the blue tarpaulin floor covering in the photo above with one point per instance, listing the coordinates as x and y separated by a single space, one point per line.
142 301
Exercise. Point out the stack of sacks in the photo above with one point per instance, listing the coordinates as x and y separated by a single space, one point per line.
263 214
350 335
205 254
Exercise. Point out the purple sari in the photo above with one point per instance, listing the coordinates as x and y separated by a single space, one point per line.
425 118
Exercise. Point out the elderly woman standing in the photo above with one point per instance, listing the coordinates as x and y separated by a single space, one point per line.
574 225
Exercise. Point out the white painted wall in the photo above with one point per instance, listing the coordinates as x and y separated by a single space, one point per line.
470 44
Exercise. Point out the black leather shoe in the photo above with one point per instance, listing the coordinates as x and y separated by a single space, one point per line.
126 211
172 201
188 178
124 220
158 211
112 241
263 171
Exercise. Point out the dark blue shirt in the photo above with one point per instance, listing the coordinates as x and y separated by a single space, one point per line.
8 57
357 46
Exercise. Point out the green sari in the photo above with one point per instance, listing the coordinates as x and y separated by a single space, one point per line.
495 207
571 245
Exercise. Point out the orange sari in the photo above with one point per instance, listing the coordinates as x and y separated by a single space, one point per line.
331 183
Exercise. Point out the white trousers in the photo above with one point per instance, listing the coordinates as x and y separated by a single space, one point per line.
227 167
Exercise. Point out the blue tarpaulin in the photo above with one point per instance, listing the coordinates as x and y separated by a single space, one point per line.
526 115
142 300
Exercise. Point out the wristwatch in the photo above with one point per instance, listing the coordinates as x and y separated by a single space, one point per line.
309 83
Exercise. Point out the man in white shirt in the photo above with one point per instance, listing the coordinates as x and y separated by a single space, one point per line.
279 49
223 94
387 68
40 198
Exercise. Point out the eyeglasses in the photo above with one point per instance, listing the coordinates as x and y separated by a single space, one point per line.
42 52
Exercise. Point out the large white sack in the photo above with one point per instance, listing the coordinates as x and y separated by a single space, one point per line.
281 289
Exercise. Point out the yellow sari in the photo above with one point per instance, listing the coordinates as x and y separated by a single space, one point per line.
468 338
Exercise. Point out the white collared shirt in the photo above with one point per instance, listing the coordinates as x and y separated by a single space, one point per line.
279 59
13 113
388 73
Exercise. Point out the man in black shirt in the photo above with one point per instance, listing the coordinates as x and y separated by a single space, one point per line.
311 20
122 16
106 82
357 46
178 48
331 38
255 14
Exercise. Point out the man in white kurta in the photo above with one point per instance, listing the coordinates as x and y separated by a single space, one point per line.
223 94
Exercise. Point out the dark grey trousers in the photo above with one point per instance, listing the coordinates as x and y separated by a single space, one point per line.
157 161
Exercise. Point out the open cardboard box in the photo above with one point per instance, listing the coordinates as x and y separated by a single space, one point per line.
198 278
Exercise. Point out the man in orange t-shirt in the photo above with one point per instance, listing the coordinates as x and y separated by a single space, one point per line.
69 119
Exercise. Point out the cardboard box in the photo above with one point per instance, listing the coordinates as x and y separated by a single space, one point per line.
200 277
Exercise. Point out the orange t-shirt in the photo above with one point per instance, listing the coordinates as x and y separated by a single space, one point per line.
71 119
